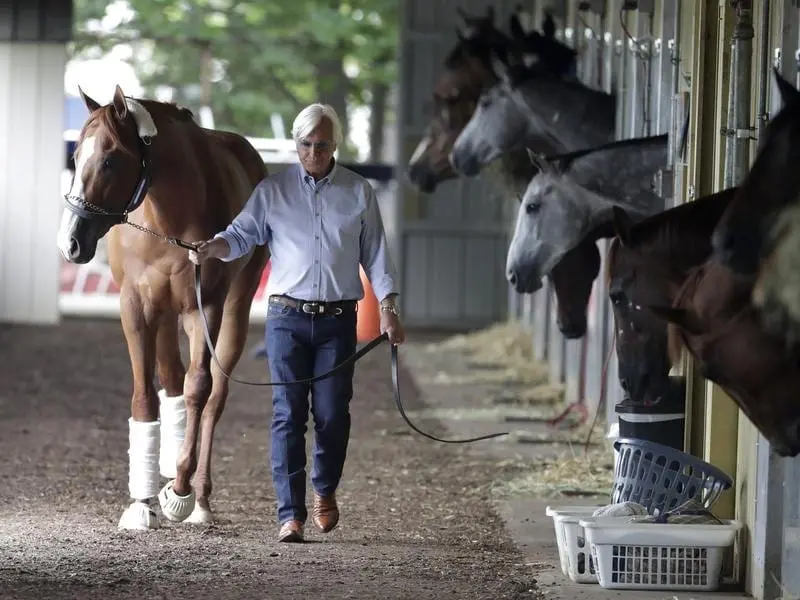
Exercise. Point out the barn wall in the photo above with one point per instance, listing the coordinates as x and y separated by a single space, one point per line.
33 38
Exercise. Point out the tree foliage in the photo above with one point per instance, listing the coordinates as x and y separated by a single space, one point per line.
251 58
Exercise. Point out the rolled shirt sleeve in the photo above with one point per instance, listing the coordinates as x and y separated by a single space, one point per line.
250 227
375 256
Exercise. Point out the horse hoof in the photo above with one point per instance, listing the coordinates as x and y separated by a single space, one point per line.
175 507
138 517
200 516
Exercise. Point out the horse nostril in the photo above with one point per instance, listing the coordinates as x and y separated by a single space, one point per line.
512 277
74 248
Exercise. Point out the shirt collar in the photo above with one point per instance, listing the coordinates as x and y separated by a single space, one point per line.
308 179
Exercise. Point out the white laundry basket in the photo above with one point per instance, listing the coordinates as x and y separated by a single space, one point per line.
573 552
658 556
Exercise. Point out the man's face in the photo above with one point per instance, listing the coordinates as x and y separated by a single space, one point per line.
316 149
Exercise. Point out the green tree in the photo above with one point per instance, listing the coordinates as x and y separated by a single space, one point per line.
247 59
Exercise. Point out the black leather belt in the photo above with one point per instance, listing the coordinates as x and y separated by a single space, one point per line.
314 307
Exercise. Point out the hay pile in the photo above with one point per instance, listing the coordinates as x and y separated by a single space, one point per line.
573 473
501 354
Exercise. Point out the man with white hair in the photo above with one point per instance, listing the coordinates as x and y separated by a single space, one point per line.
321 221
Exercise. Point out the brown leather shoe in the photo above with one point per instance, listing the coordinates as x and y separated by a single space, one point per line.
291 531
325 512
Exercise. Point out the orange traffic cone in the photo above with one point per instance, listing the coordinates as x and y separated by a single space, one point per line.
368 318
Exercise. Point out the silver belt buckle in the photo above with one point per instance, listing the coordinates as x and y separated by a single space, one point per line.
309 308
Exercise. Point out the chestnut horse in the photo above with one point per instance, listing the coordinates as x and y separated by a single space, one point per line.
647 262
149 164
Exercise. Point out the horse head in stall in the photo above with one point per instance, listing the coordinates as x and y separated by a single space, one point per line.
647 263
760 233
150 165
714 319
467 72
530 107
571 201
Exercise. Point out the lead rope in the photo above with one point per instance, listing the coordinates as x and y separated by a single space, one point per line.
349 360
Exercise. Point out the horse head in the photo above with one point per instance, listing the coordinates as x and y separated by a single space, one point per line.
112 173
714 319
553 217
572 279
465 74
772 184
635 279
468 71
573 195
532 106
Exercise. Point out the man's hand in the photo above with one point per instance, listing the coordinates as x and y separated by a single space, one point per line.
390 323
213 248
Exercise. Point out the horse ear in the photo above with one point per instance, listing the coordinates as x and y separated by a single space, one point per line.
90 103
490 13
499 66
679 317
788 92
549 26
539 161
622 224
120 104
515 27
465 29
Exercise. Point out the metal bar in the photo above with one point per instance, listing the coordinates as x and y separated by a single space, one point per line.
739 131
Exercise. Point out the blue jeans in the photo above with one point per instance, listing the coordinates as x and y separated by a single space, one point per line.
299 346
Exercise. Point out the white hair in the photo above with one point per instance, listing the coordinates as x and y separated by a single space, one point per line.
311 116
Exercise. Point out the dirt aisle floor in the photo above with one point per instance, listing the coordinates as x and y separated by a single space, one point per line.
417 520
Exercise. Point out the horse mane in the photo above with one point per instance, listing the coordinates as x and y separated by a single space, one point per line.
686 228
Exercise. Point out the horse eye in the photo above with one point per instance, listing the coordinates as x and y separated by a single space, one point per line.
484 101
108 163
532 207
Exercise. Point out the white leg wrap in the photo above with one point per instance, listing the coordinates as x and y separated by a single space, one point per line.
173 431
142 475
143 459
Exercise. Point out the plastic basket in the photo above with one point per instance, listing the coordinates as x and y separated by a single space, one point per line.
559 513
661 478
654 556
581 566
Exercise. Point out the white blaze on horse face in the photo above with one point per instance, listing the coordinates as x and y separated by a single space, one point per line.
82 157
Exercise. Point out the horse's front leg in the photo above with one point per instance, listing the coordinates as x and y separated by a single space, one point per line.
229 346
177 497
143 426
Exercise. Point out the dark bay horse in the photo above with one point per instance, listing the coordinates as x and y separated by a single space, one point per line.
149 163
647 262
714 319
760 229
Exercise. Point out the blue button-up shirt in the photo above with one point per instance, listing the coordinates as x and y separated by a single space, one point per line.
318 233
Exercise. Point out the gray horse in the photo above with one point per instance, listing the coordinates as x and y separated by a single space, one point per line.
528 108
573 195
